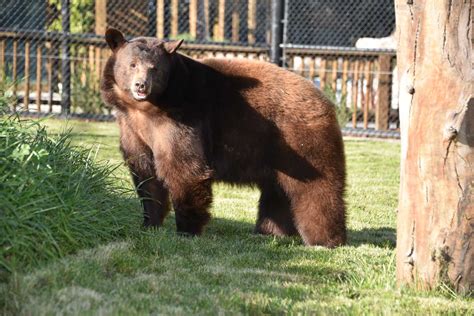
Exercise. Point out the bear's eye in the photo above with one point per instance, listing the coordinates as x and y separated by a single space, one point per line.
133 65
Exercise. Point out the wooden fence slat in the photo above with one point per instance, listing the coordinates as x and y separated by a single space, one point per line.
193 18
252 20
371 85
98 61
174 18
26 97
345 69
221 21
355 92
100 16
236 21
335 64
49 70
91 59
160 18
207 22
302 67
72 72
322 73
83 66
367 93
312 65
2 58
14 75
39 63
382 107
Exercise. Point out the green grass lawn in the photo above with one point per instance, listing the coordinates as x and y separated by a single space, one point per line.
230 270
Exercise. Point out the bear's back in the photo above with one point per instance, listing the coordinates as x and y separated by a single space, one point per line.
274 89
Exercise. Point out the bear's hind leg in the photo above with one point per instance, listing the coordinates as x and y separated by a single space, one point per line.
319 215
274 214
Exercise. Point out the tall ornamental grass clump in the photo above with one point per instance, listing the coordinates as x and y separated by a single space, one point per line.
54 198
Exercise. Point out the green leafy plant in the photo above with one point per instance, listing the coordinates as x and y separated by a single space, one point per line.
82 16
6 95
342 111
85 96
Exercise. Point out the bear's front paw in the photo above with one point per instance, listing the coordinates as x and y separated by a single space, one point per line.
191 223
147 223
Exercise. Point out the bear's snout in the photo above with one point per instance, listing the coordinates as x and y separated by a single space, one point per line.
140 89
140 86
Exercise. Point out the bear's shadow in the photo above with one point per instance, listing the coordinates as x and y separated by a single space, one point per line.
251 124
384 237
285 159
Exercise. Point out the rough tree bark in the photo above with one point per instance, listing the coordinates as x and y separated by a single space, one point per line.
435 230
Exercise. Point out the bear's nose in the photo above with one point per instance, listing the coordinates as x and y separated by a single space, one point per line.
140 85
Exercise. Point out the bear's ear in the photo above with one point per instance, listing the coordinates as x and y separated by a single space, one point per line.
172 46
114 38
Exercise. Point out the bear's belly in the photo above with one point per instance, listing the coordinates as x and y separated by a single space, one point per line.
239 166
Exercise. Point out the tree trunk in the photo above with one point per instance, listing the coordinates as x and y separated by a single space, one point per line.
435 230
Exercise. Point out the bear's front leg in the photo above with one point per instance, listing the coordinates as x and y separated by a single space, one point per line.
191 202
189 185
153 196
151 190
181 162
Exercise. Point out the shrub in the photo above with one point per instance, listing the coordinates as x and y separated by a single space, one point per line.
342 111
85 97
82 16
54 198
6 96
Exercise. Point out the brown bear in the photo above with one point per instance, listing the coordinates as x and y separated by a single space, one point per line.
186 123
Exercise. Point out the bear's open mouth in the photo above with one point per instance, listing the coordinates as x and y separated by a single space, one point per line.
139 95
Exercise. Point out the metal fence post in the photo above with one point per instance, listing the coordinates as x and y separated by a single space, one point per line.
277 32
65 58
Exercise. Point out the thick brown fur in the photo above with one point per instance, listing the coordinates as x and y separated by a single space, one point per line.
238 121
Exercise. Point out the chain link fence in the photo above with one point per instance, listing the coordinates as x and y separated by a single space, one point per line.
349 52
52 52
338 23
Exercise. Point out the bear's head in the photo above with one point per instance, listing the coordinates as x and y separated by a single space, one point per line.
142 65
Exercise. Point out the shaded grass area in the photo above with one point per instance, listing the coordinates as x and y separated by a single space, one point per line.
230 270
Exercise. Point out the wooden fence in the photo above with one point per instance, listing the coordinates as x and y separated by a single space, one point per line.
32 62
363 79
